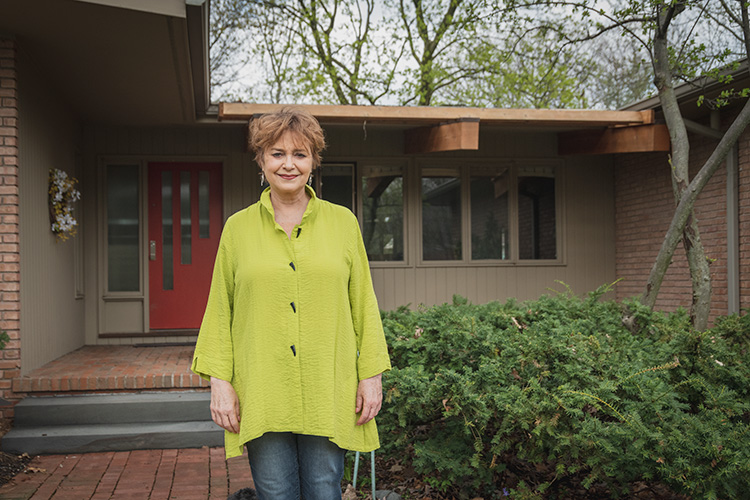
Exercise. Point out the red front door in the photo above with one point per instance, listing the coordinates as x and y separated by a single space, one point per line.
184 225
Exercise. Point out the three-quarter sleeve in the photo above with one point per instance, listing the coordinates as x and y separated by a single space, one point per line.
214 352
368 327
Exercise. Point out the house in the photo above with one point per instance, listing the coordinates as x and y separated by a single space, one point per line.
485 203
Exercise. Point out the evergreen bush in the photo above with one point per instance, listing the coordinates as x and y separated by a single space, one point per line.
540 399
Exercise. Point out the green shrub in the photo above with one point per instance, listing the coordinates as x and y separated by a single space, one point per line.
549 396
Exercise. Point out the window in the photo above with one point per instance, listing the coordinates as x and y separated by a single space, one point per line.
537 227
490 213
480 212
335 183
383 213
441 214
123 228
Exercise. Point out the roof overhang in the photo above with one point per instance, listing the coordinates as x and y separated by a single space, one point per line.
432 129
122 62
689 93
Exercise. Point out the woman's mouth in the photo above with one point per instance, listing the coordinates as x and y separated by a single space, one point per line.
288 177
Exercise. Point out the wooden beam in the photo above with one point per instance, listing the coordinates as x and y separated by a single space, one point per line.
423 115
635 139
456 136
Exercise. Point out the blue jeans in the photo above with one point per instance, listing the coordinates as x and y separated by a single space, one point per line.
288 466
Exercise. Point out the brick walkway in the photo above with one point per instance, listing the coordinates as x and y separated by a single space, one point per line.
114 368
191 474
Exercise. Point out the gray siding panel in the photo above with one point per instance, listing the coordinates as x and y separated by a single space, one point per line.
51 316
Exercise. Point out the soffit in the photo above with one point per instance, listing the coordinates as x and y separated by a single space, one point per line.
111 65
174 8
689 93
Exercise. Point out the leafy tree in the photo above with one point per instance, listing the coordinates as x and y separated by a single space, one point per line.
424 52
525 70
446 44
334 54
229 22
622 73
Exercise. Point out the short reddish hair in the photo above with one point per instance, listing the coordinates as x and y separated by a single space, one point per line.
266 130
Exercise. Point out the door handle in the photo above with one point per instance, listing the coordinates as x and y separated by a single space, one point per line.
152 250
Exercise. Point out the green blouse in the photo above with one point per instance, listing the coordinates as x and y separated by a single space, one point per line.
293 324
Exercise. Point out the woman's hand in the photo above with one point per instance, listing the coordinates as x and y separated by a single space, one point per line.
369 398
225 407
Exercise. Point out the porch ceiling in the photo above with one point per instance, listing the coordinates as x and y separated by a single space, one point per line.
112 62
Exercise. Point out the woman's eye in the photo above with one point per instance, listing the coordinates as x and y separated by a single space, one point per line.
276 155
301 155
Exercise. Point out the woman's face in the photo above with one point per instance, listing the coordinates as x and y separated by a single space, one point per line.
288 164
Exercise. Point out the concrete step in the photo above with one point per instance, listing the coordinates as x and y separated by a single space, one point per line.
112 422
111 437
92 409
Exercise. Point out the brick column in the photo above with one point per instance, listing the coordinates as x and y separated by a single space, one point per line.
10 305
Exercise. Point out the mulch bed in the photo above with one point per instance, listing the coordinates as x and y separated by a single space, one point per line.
400 477
10 465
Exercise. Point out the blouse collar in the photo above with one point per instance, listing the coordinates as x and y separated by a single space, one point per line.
312 204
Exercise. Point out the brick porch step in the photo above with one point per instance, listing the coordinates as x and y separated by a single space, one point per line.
112 422
114 368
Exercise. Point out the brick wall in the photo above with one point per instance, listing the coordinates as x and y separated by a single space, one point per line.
10 359
644 206
744 219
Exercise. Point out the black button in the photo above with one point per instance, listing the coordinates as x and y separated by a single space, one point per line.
293 307
299 230
292 264
293 350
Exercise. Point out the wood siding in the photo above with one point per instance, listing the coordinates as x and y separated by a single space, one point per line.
51 316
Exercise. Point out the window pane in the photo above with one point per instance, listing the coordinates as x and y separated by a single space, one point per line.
537 234
204 215
383 213
123 229
186 226
489 214
338 184
441 217
166 231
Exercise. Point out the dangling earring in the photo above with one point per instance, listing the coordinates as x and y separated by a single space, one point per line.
262 178
309 180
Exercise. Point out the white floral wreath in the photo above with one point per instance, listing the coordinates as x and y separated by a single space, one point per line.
62 194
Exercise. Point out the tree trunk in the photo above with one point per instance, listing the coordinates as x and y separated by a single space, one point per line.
700 276
680 162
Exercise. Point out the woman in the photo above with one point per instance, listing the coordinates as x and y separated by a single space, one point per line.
291 339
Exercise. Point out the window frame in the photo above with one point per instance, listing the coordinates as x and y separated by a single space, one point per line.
465 168
319 186
107 294
403 164
438 167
